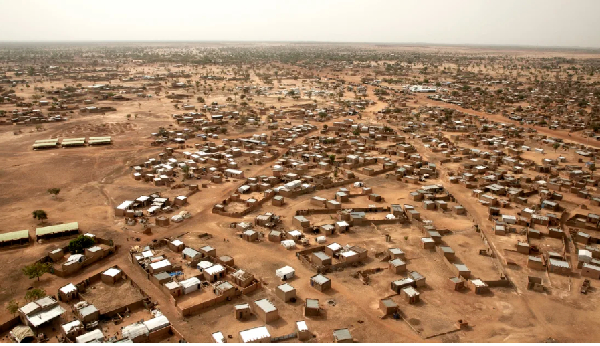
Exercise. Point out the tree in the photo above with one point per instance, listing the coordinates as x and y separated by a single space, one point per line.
12 307
35 294
79 244
36 270
555 146
39 214
331 158
54 191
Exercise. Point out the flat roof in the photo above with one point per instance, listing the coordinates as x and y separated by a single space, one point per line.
265 305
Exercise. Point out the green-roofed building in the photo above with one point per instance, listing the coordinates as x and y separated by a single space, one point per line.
73 142
57 230
14 238
100 140
45 144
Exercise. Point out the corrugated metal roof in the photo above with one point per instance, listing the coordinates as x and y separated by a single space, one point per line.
94 336
254 334
132 331
71 226
14 235
157 323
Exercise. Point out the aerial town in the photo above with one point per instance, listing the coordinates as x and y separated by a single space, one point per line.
298 192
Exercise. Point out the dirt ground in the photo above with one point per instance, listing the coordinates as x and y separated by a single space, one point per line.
93 180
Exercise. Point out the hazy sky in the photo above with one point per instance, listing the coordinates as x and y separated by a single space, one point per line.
505 22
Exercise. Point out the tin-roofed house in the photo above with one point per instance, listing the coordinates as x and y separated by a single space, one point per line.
320 282
111 276
265 310
286 292
342 335
256 335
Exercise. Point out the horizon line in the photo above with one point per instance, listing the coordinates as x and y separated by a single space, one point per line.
495 45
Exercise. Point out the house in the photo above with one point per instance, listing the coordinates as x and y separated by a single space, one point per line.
160 266
410 294
289 244
242 278
176 245
342 335
447 252
285 273
332 249
302 331
456 283
349 256
286 292
250 235
590 271
265 310
111 276
311 307
397 266
461 270
190 254
559 266
72 329
398 285
320 258
275 236
320 282
214 273
208 251
294 235
157 323
428 243
40 312
535 263
136 332
224 288
67 293
258 334
95 336
419 279
218 337
242 311
174 288
479 286
190 285
300 221
388 306
396 253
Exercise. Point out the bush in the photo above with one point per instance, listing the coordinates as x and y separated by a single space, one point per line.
79 244
35 294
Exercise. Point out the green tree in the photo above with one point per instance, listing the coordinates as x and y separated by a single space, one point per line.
35 294
555 146
40 215
36 270
79 244
12 307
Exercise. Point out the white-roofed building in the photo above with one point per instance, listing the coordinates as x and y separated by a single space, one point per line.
258 334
